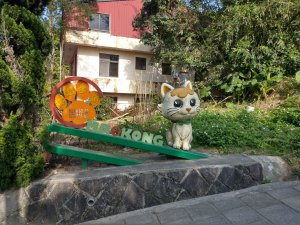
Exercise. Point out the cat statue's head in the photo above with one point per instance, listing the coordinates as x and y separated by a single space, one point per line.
179 104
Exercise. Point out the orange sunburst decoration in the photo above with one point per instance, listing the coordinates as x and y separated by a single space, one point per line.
72 103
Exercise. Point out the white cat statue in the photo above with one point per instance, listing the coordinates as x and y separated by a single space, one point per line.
179 105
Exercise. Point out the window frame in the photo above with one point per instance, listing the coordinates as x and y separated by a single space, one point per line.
141 67
99 20
111 61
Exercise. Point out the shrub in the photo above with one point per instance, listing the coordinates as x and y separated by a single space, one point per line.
156 124
286 115
292 102
237 128
103 110
228 129
19 160
271 133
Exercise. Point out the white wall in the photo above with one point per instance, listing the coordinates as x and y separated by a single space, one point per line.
87 62
130 80
124 101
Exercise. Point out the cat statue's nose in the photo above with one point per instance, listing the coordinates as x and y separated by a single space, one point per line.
188 109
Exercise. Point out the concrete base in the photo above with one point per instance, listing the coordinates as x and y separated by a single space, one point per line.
92 194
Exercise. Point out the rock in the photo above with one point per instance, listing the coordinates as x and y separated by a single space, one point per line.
274 168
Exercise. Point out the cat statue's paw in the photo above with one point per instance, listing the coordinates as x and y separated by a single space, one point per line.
170 143
186 146
176 145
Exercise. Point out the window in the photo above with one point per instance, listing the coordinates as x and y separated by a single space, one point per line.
99 22
114 100
109 65
166 69
140 63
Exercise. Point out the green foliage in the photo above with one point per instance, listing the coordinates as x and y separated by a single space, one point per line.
103 110
26 31
171 39
22 89
225 129
202 90
292 102
287 116
275 133
35 6
155 100
288 87
25 44
76 10
156 124
19 161
259 45
242 47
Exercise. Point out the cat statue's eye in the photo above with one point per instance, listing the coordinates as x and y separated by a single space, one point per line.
193 102
178 103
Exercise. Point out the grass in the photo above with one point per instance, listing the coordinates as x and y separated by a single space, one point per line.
235 130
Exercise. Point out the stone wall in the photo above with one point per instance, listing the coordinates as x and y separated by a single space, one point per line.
87 195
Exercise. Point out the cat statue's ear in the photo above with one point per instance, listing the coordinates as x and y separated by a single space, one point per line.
165 88
188 85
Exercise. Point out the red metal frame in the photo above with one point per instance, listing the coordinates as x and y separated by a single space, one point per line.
57 88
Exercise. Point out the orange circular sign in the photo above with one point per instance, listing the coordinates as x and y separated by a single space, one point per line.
72 102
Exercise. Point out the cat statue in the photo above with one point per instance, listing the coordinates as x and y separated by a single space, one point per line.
179 105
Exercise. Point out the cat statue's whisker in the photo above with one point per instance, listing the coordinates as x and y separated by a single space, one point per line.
172 113
172 110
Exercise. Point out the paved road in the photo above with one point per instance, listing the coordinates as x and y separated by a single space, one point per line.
276 203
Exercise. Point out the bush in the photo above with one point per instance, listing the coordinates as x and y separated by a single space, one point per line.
292 102
103 110
227 129
286 115
274 133
19 160
156 124
22 83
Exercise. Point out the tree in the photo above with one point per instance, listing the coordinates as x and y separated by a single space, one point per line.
52 21
34 6
169 27
260 45
24 47
241 46
56 19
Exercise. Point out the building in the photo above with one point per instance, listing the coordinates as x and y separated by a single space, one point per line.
107 50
